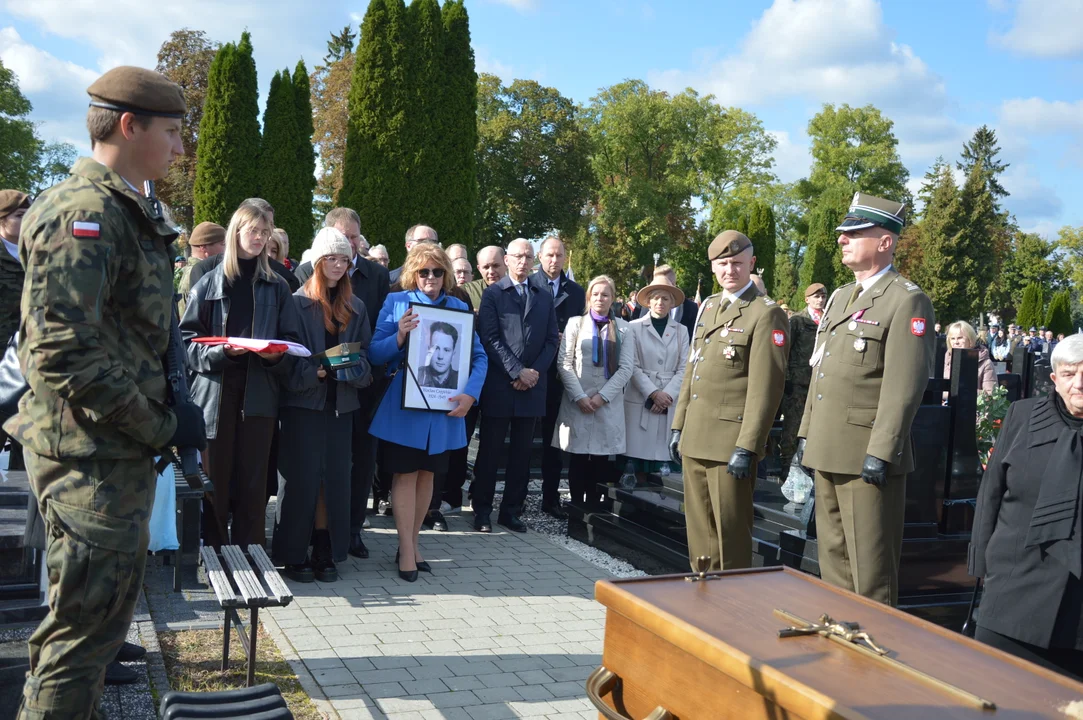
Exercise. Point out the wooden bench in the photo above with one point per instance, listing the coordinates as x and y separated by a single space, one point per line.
189 505
251 582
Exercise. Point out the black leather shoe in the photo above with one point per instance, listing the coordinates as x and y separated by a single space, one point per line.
555 511
302 573
326 571
357 547
513 523
130 652
439 523
117 674
408 575
428 520
385 508
482 523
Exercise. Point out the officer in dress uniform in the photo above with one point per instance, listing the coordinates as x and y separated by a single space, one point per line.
798 373
730 394
872 362
96 309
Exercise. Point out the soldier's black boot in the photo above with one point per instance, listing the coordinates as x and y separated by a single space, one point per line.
300 573
323 563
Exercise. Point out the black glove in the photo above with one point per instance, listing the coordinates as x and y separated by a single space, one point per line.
740 464
191 428
799 456
674 443
874 471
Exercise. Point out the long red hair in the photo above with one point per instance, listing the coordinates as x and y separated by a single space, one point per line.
333 301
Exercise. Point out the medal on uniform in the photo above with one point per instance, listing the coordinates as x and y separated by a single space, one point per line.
859 344
852 325
729 352
725 332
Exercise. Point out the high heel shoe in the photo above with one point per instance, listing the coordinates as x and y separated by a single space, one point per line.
422 565
408 575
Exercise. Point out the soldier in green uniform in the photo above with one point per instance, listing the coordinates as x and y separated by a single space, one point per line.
96 313
13 205
208 240
872 363
731 390
798 373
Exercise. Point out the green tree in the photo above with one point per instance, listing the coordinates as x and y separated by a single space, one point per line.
54 163
373 181
185 58
457 144
227 166
281 181
1032 309
938 273
856 148
1070 242
340 45
533 162
1032 259
761 231
1059 318
19 144
982 148
977 249
822 261
306 160
424 112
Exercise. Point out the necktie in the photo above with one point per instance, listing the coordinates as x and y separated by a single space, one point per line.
521 289
854 295
553 286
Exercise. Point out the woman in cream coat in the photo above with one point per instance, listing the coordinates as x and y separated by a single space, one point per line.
661 345
595 363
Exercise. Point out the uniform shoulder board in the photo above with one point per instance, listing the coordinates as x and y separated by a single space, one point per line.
911 287
769 302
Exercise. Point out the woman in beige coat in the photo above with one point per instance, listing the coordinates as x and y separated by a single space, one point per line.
661 345
595 363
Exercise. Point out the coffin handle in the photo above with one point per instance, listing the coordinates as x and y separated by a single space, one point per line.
603 682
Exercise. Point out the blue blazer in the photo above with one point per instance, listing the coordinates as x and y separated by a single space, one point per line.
514 341
422 429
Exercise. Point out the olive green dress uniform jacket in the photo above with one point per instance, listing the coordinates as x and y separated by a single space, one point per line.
95 320
11 291
734 378
868 384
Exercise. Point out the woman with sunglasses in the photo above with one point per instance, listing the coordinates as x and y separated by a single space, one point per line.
416 444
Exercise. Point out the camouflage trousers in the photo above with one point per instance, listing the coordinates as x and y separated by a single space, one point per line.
96 514
793 407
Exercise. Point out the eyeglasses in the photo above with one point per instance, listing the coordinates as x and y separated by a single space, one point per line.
434 272
526 256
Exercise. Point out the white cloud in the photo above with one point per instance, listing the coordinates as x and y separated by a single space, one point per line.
486 63
520 5
1030 200
792 157
1044 28
1043 117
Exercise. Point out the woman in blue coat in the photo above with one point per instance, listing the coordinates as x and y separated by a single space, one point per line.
415 444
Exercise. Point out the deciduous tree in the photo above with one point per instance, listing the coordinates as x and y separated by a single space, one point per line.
19 144
856 148
330 92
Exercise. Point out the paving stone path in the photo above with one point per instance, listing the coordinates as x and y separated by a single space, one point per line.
504 627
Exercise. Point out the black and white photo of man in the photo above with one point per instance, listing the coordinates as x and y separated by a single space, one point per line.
438 371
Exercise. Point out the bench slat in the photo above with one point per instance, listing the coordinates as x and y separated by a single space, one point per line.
218 578
243 575
270 576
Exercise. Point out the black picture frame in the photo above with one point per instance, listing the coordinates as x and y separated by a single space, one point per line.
427 384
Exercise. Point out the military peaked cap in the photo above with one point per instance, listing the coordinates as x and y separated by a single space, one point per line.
867 211
12 200
139 91
727 244
207 233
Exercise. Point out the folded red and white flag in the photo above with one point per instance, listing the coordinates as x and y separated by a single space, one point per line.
258 346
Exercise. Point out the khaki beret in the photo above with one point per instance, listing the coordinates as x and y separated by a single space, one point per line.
12 200
727 244
207 233
139 91
814 288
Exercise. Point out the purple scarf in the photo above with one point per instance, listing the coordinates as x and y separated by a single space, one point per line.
604 350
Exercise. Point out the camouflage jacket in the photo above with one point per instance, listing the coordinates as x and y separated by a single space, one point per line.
95 307
802 343
11 289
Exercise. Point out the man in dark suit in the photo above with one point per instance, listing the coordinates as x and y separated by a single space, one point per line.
569 301
685 313
370 284
518 328
415 235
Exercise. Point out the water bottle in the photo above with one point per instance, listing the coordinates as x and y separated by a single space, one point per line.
628 478
664 471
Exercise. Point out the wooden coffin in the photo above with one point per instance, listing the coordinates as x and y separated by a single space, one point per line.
710 649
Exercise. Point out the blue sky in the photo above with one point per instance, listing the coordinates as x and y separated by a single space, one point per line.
938 69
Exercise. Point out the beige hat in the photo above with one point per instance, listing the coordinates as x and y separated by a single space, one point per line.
660 282
814 288
12 200
727 244
207 233
329 241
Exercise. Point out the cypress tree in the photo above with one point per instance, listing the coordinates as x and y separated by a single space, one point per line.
761 231
1059 319
742 224
459 139
373 181
424 115
306 160
1031 309
281 183
229 136
818 264
938 273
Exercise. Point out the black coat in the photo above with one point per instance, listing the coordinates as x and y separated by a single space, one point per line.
514 341
369 282
571 300
205 266
1024 587
689 311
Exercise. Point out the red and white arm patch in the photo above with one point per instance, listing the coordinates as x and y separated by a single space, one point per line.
81 229
778 337
917 326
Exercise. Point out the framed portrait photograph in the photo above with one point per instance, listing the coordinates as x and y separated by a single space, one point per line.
437 357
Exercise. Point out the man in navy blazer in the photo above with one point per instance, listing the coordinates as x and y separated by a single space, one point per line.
518 328
569 300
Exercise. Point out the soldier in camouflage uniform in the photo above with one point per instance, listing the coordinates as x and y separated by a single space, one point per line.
13 205
96 312
798 373
208 240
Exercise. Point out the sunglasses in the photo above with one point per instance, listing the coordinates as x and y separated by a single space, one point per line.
434 272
